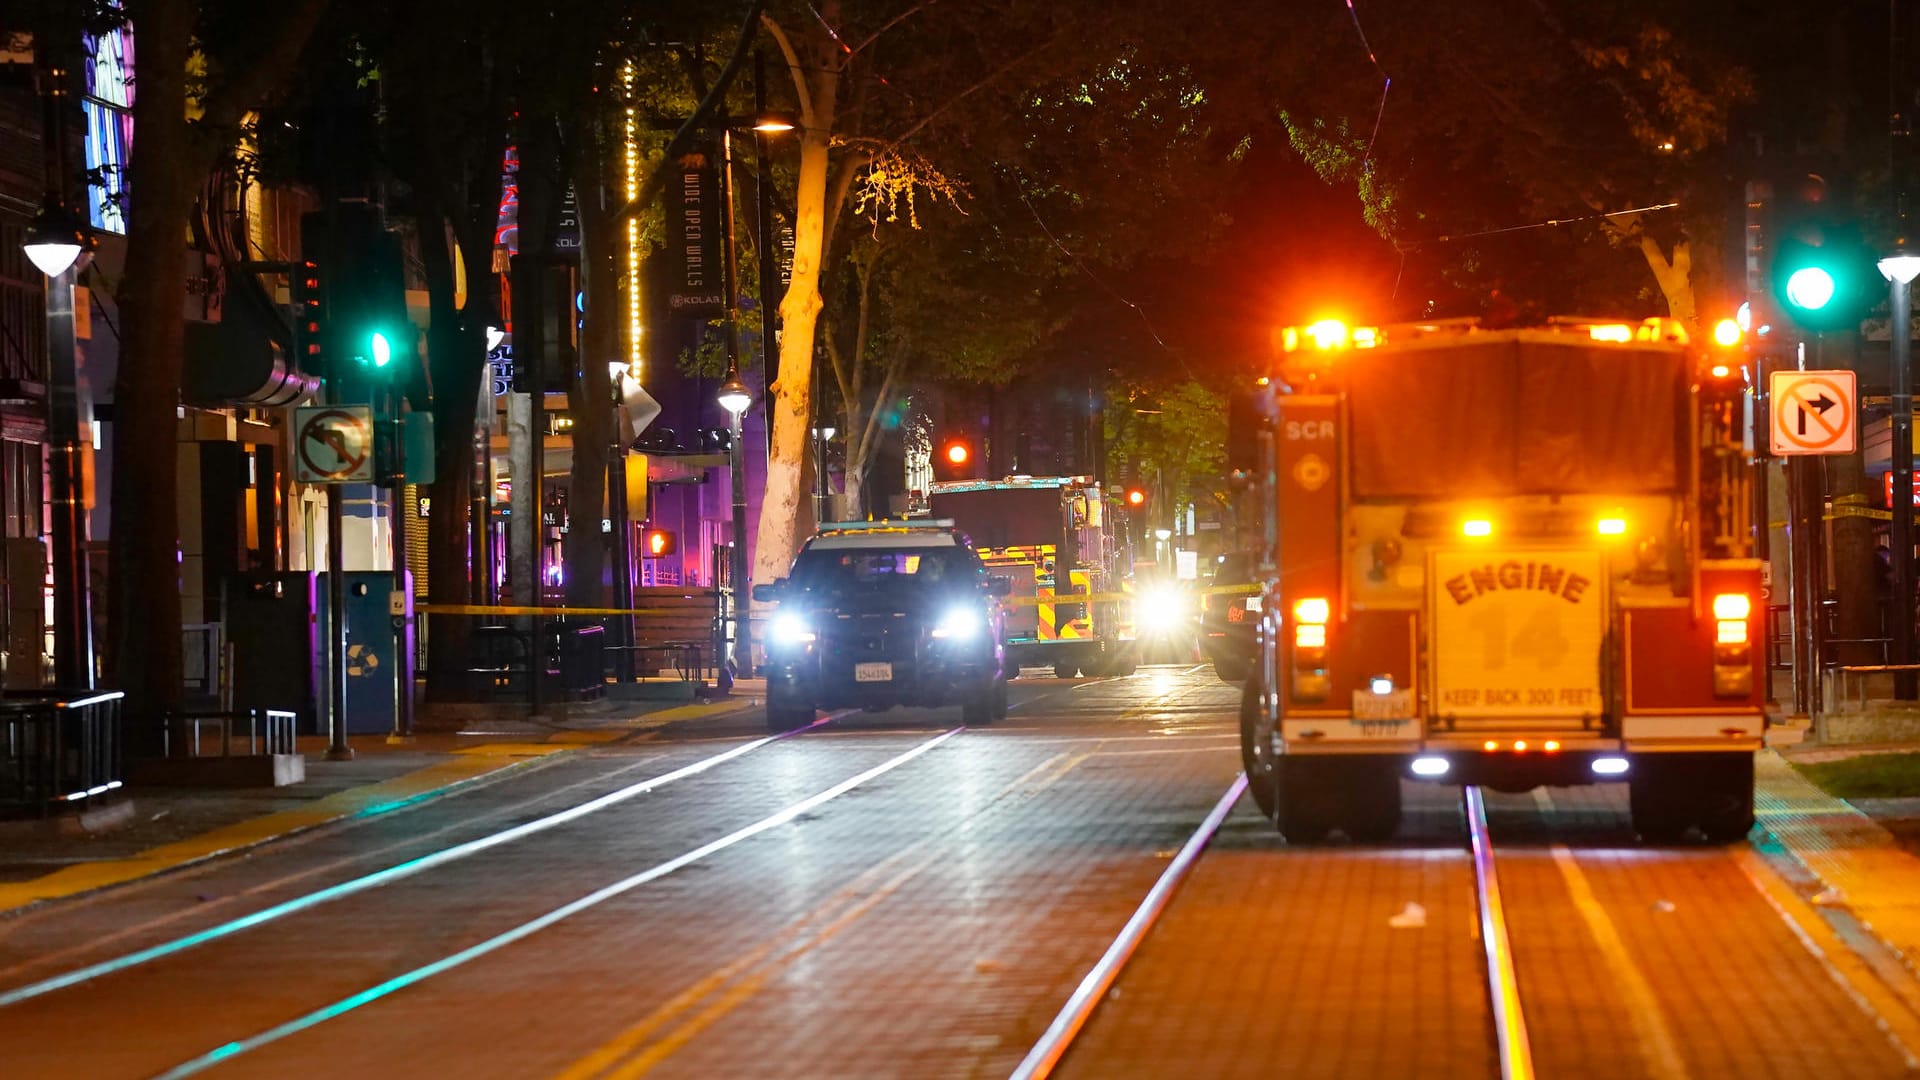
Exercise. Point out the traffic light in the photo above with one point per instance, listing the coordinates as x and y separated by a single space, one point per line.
658 543
309 315
954 458
361 332
1822 272
1136 498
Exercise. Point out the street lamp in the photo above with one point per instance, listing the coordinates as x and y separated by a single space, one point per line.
53 244
1900 268
55 239
821 436
735 397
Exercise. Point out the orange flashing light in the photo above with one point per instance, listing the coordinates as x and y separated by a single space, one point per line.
1476 527
1314 610
957 453
1489 745
1552 745
1619 333
1520 745
1726 333
1329 334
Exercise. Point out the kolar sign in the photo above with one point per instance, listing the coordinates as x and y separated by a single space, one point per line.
695 241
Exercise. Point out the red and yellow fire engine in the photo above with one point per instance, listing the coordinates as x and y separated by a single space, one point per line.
1054 537
1509 557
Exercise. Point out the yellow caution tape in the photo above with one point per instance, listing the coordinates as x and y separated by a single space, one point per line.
1858 512
505 609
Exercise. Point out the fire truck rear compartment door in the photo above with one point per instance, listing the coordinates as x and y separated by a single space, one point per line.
1516 636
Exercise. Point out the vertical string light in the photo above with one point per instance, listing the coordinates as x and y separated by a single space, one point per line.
630 142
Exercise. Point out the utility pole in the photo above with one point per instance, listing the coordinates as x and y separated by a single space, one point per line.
1900 269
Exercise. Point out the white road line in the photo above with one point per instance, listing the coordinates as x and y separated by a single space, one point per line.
1045 1055
499 941
382 877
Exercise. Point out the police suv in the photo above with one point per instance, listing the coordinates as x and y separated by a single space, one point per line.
882 613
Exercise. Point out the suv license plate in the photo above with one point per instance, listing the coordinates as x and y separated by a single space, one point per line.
873 672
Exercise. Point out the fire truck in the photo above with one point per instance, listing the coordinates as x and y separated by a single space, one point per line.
1058 541
1509 557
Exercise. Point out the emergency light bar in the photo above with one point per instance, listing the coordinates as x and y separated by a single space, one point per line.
890 523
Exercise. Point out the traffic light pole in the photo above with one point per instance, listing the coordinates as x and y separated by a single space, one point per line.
1900 538
398 598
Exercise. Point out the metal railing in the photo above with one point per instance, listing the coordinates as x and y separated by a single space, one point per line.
268 731
59 753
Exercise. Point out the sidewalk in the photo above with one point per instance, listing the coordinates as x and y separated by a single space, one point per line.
176 827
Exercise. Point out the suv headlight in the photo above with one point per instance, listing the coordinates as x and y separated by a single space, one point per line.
1162 608
788 628
959 624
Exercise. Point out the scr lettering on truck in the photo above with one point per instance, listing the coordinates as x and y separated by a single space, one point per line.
1307 430
1512 574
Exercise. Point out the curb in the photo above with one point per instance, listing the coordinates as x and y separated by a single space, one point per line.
1860 864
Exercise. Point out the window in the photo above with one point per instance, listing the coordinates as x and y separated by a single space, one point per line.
108 105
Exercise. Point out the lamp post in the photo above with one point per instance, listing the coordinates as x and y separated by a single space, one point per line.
53 244
821 435
1900 269
734 397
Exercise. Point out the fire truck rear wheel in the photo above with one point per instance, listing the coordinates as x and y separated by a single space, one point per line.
1655 801
1723 793
1065 669
1305 800
1231 671
1257 761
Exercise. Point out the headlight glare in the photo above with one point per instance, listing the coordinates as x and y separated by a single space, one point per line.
959 624
788 628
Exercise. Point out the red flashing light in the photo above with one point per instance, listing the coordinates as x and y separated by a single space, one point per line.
1136 497
957 453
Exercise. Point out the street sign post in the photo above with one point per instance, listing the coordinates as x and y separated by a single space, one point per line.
1814 412
333 444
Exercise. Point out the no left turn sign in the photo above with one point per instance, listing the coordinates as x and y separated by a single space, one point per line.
333 444
1814 412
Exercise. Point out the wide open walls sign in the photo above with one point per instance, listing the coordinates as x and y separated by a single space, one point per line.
695 237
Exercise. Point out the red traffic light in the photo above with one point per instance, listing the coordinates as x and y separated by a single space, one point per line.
656 543
957 453
1136 498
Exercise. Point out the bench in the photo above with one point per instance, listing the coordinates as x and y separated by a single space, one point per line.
682 629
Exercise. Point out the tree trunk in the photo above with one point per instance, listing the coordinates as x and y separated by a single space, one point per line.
144 545
1674 276
789 397
590 394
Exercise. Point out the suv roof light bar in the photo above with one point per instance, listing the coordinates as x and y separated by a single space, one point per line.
888 523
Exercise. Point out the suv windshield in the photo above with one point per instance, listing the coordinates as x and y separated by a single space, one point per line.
842 570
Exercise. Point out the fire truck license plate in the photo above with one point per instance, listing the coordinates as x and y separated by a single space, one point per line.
1397 705
873 672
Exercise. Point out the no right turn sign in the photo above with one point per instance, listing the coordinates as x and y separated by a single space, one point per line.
1813 412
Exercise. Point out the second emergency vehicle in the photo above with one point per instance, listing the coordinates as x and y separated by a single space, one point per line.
1056 539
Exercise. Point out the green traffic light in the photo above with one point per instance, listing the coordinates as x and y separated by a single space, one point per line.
382 352
1810 288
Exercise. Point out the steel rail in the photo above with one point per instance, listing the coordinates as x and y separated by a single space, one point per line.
1509 1025
387 876
229 1051
1046 1054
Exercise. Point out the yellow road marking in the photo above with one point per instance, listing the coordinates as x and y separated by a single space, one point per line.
1657 1045
613 1054
1895 1010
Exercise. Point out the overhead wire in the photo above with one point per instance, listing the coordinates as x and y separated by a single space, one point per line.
1110 290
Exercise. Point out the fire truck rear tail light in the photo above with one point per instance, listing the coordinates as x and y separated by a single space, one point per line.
1520 745
1476 527
1609 766
1313 609
1611 526
1730 632
1552 745
1732 606
1489 746
1311 636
